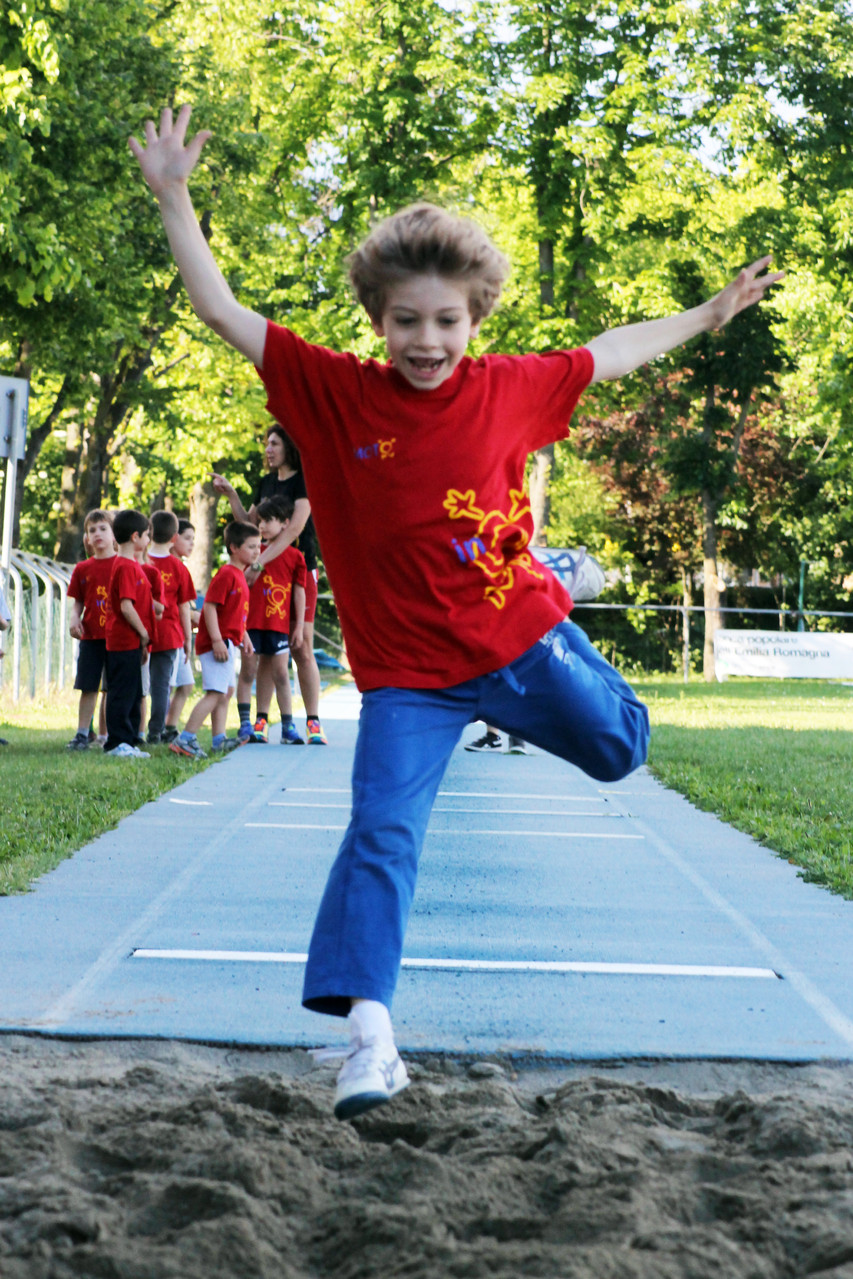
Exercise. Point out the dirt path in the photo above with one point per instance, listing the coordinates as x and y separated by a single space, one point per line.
146 1160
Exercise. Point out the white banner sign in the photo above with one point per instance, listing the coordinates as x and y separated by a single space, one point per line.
783 654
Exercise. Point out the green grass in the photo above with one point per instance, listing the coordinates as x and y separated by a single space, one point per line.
55 800
774 759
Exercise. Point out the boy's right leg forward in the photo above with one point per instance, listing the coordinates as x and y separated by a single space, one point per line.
405 739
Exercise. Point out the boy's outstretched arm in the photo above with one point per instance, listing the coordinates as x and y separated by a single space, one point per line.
166 166
620 351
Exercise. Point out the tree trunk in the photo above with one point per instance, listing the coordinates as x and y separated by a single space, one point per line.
713 617
546 272
686 602
203 504
540 493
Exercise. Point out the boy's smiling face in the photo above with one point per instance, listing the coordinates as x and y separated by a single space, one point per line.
426 325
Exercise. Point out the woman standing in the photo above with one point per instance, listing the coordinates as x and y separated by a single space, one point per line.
284 478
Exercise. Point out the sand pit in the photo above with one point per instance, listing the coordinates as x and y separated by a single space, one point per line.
147 1160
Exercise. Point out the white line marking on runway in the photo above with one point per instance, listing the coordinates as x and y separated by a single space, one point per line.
517 812
528 834
477 965
456 794
194 803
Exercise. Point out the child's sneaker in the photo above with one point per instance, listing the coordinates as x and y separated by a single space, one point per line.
154 739
187 745
488 742
244 734
169 734
290 736
260 732
140 754
316 736
373 1072
516 746
79 742
124 750
224 747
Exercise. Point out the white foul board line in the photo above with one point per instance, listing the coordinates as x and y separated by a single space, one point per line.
456 794
476 965
513 812
528 834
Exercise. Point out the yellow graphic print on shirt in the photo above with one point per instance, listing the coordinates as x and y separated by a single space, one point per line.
499 546
101 604
276 599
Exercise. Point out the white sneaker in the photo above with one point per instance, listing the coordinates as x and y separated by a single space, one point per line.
138 754
516 746
124 750
372 1074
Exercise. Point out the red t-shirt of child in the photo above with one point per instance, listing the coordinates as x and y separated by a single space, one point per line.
229 591
178 589
270 597
90 584
420 503
155 581
128 581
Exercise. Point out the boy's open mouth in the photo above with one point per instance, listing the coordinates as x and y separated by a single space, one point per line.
422 365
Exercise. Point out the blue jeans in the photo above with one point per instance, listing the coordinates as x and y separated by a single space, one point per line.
560 695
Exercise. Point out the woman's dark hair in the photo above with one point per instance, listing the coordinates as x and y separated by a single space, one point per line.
291 452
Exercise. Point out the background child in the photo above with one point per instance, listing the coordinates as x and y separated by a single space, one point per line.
416 472
173 628
182 677
221 630
130 623
156 583
89 588
276 621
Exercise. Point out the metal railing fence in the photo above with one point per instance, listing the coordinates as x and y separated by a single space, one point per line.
40 652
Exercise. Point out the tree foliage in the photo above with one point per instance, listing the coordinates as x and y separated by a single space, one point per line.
627 157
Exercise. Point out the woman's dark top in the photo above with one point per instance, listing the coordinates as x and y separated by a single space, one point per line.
294 488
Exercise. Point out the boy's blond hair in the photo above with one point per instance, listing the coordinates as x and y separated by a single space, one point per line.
423 239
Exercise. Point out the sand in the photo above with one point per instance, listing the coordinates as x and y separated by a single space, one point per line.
156 1160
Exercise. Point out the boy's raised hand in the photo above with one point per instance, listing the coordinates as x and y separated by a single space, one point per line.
164 160
747 288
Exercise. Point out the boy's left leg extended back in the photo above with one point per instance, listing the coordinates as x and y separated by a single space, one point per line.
564 696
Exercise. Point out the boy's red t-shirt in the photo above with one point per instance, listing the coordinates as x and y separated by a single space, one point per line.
420 503
178 589
271 595
128 581
229 591
90 584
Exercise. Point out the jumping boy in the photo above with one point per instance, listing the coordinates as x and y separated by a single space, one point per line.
130 625
88 588
415 470
221 631
276 623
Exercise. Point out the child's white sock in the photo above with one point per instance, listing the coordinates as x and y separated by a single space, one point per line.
368 1019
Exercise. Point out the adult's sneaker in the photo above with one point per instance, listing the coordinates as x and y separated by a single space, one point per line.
140 754
372 1074
124 750
488 742
316 736
516 746
260 732
79 742
290 736
187 746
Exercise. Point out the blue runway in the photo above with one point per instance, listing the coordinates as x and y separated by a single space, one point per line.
554 916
